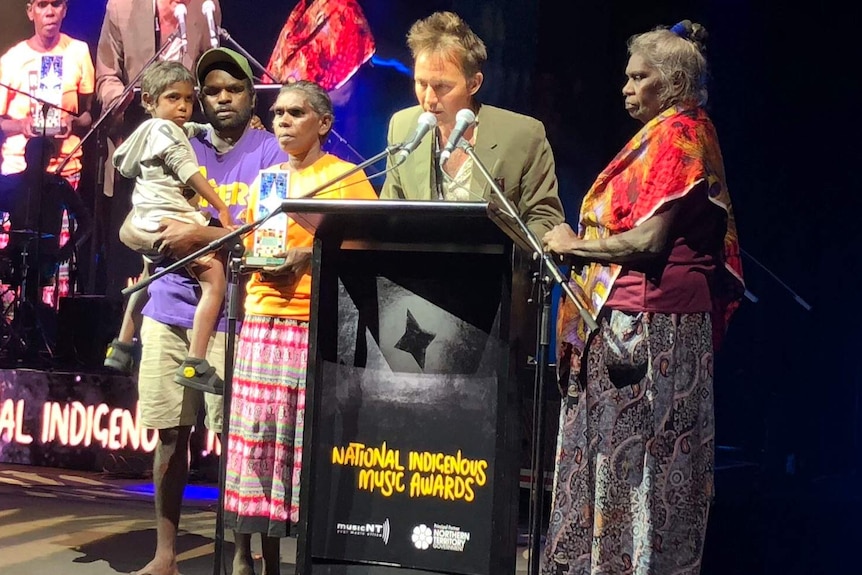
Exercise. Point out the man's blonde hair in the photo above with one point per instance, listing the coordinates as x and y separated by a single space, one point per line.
447 34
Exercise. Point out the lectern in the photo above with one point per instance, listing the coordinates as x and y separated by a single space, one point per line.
410 452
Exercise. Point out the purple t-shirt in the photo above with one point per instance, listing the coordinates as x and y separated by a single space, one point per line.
173 297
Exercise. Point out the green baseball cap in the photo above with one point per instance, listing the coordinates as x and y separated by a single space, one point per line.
222 56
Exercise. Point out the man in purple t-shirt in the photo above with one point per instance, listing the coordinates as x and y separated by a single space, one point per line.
231 153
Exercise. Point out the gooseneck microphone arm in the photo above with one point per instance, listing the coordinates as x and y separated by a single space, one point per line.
247 228
226 36
107 112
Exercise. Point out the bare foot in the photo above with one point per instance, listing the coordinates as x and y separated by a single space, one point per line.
241 566
159 567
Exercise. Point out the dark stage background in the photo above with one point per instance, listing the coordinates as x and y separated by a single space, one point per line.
788 380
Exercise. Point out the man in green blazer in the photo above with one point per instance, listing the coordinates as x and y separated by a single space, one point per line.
448 58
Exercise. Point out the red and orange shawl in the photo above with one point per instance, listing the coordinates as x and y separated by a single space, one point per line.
664 161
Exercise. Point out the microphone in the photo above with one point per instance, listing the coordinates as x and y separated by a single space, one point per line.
427 122
208 9
180 12
463 120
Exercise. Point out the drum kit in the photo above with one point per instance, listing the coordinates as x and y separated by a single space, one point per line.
27 248
23 333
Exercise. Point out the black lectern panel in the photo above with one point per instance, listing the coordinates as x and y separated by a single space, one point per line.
409 463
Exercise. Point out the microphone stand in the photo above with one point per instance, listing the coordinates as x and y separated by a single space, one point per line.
547 274
796 297
129 87
45 104
101 150
226 35
245 229
232 313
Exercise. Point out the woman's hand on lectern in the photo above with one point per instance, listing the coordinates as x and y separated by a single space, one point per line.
297 262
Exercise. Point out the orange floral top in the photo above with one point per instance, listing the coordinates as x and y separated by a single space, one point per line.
671 155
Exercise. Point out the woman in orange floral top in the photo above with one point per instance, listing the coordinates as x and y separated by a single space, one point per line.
656 261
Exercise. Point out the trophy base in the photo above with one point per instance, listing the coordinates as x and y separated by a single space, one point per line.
49 132
250 262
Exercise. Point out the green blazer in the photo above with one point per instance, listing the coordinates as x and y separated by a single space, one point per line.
513 148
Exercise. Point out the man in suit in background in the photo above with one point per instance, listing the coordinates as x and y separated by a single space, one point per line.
132 32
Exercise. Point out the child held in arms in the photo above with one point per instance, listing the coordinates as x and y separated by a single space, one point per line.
168 182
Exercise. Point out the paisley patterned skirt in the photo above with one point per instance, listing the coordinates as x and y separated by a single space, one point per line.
635 452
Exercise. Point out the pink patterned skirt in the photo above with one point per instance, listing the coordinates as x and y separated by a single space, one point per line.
266 424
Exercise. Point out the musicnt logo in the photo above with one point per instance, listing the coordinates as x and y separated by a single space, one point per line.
378 530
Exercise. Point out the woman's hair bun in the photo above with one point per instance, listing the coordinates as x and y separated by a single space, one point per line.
691 31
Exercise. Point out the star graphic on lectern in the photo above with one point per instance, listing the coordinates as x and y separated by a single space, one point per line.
415 340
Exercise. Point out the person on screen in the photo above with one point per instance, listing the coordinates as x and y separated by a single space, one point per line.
132 32
47 62
48 59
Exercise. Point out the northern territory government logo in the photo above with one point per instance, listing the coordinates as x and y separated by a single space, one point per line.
444 537
378 530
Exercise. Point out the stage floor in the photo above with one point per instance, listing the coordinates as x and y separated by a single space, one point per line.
86 523
83 523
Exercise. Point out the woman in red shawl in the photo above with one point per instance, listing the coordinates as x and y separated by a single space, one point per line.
656 261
